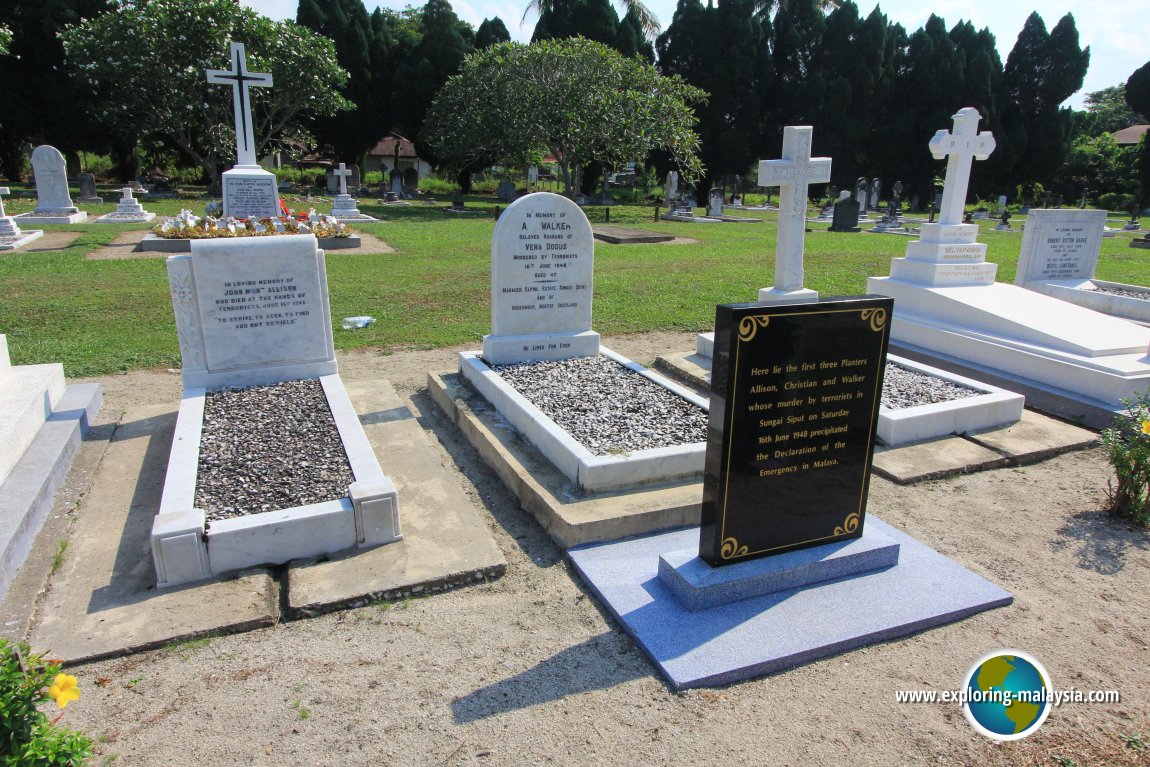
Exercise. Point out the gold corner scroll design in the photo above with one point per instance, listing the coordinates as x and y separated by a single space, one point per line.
876 316
731 549
749 326
849 525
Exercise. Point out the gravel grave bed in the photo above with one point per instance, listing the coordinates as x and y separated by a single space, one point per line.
903 388
606 407
269 447
1140 295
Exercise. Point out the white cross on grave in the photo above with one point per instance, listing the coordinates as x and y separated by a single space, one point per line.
792 174
241 79
960 147
3 191
343 173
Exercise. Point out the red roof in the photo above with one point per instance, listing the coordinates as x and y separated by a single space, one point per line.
1131 135
386 147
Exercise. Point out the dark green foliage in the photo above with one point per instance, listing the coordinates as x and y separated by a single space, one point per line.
1108 111
490 32
1138 91
1127 445
592 19
444 41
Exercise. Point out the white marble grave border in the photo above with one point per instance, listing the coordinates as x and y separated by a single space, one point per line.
1086 293
592 473
186 548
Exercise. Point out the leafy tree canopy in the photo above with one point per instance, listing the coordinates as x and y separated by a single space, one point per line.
148 60
1138 91
574 98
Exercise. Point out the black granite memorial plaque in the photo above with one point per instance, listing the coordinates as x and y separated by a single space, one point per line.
794 406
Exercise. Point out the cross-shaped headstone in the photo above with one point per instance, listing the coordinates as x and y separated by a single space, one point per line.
3 191
241 79
126 193
792 174
342 173
960 146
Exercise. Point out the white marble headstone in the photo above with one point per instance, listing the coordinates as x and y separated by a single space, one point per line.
542 270
252 311
51 180
1060 244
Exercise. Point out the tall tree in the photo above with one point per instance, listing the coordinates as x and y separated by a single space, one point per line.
38 88
444 41
646 20
576 99
490 32
362 49
1138 99
175 42
591 19
1042 70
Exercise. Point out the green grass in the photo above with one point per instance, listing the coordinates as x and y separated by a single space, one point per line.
104 316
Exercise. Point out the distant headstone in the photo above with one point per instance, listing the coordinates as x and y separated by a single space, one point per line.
846 216
505 191
533 174
249 191
396 178
335 182
129 211
88 189
1060 244
1004 222
792 174
53 201
794 408
715 203
875 192
1001 203
861 195
11 235
670 187
542 267
343 207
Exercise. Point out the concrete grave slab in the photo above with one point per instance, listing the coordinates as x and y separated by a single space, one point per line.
771 633
624 235
445 540
1035 437
934 459
103 601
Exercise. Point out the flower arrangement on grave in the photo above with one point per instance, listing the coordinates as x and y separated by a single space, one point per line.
188 226
28 680
1127 444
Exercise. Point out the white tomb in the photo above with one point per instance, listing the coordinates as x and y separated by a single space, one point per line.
948 306
42 420
129 211
53 200
252 312
1059 255
11 235
343 207
542 271
249 190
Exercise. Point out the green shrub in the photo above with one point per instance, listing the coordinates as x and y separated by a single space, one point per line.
1115 201
1127 444
27 738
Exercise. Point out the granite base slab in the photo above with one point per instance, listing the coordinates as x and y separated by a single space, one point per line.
155 244
26 236
50 217
125 218
773 633
623 235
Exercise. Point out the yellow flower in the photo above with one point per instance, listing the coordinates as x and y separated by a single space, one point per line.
1146 427
64 690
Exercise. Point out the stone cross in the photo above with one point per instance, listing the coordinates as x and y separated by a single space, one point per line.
343 173
241 79
792 174
3 191
960 147
126 194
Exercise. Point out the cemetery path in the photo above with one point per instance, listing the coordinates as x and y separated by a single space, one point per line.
529 669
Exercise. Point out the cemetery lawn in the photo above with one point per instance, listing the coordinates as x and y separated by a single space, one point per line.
114 314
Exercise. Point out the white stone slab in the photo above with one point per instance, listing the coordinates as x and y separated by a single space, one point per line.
1060 244
993 407
252 311
14 242
28 395
1086 293
250 193
51 217
542 271
185 549
586 470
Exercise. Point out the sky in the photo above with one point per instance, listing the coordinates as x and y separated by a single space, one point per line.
1117 31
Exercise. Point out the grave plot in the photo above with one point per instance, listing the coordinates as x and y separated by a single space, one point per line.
542 369
251 313
1059 254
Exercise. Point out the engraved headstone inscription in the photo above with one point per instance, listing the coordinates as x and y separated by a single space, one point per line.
542 265
1060 244
794 406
